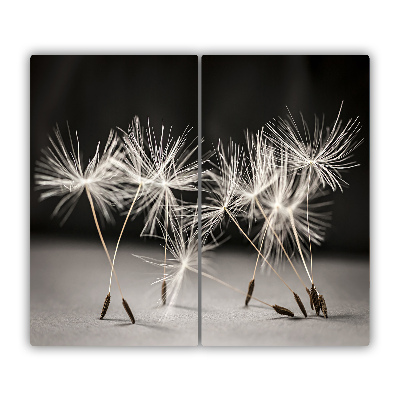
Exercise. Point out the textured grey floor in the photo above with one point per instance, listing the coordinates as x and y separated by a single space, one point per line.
69 282
344 282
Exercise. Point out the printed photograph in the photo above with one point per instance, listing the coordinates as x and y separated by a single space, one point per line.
285 201
113 200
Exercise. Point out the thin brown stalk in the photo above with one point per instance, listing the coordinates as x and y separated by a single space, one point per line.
101 236
124 303
164 284
122 231
252 282
308 227
258 251
258 255
298 243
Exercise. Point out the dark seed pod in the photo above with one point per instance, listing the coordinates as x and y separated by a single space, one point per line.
311 302
282 310
323 306
164 292
105 306
249 292
314 296
300 304
128 311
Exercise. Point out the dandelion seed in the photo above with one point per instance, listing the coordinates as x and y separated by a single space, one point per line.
158 171
290 203
258 179
60 173
326 153
155 172
225 196
259 174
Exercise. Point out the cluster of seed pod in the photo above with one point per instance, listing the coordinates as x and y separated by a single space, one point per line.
317 301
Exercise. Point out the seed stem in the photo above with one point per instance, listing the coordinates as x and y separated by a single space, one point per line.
279 241
164 284
298 242
258 251
122 231
258 255
101 236
308 224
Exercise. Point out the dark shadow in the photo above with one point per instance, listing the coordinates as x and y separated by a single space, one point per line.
285 317
158 307
136 323
255 306
344 317
161 328
174 306
185 307
115 320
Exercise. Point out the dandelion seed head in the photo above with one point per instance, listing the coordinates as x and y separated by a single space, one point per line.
60 173
160 168
326 152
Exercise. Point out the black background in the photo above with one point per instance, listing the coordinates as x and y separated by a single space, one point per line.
95 94
240 92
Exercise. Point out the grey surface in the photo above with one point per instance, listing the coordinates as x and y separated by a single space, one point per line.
344 283
69 282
